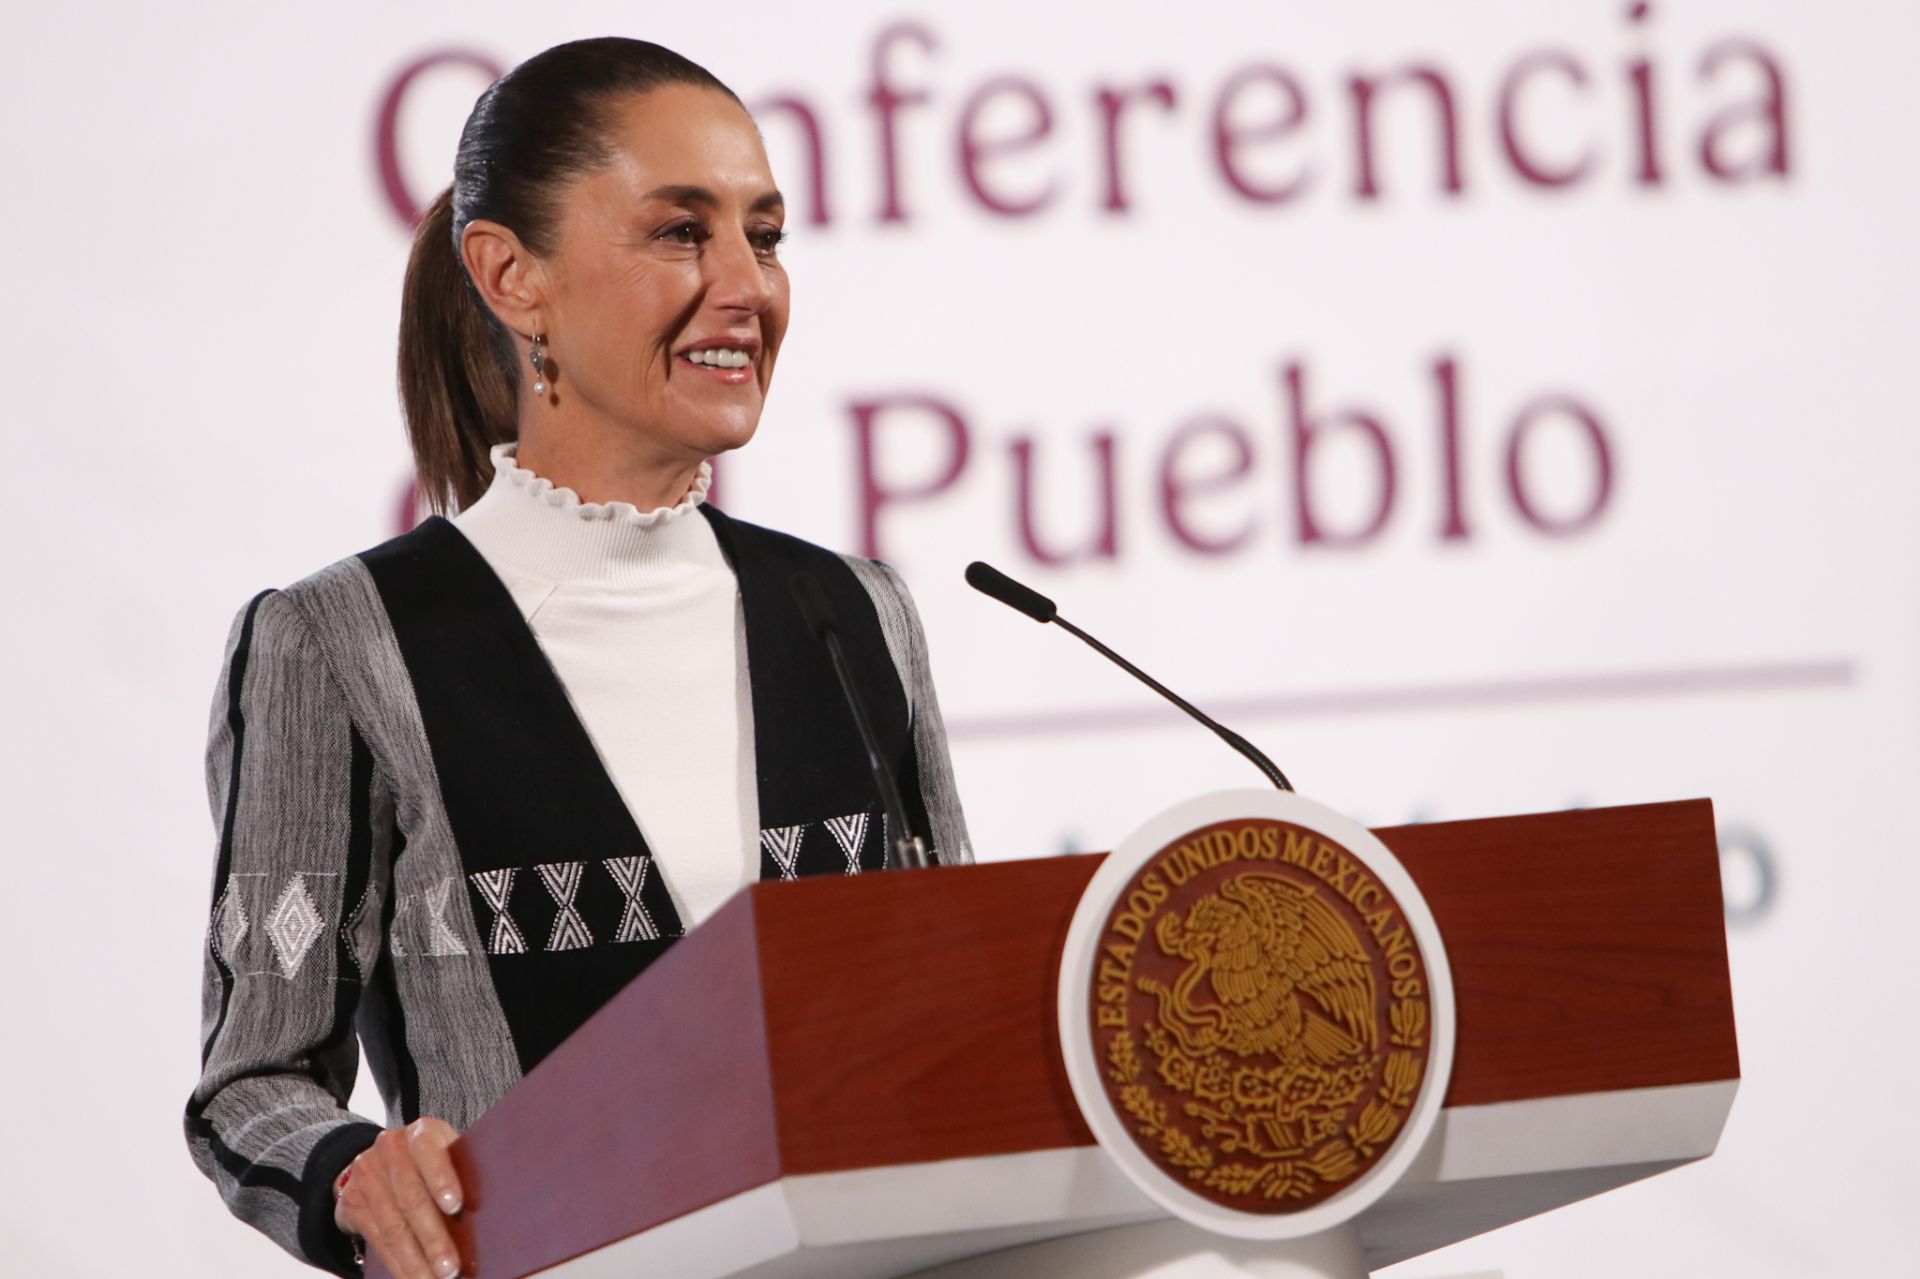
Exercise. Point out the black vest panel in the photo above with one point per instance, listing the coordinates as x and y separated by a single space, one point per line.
563 886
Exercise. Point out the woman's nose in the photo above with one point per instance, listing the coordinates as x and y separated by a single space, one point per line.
737 280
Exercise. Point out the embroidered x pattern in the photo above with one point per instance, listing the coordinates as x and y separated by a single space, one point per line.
636 924
850 832
783 843
563 885
496 886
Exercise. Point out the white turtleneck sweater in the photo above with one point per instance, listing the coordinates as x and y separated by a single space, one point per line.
640 615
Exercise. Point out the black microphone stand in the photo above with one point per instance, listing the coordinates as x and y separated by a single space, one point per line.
909 851
989 580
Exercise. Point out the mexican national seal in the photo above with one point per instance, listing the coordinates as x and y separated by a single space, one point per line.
1260 1008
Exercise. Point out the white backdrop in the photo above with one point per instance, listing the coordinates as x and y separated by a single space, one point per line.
1692 575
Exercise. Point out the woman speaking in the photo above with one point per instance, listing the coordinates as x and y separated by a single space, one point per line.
471 782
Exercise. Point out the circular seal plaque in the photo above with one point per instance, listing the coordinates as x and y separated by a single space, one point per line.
1255 1011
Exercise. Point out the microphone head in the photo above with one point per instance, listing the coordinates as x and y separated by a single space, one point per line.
812 600
989 580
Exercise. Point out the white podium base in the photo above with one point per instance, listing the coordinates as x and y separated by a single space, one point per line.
1167 1250
1071 1212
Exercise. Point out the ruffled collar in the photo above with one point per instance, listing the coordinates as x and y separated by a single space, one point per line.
529 527
506 464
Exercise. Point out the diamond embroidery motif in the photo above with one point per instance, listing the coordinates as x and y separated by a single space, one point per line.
496 886
783 843
294 925
563 884
230 923
636 923
850 832
362 933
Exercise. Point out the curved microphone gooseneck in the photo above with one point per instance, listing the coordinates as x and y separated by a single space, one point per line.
989 580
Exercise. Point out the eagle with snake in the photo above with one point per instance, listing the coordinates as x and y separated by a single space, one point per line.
1255 948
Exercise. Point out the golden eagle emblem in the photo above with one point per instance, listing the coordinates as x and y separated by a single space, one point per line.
1264 1035
1258 946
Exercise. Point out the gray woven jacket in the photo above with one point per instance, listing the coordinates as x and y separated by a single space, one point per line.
420 851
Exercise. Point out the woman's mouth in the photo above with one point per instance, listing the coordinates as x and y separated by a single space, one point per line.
723 363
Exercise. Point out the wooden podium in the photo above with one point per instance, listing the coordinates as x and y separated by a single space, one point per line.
862 1076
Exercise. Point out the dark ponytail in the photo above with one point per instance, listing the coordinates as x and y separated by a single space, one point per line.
457 395
543 123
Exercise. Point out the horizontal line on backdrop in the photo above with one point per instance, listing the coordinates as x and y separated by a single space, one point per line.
1466 695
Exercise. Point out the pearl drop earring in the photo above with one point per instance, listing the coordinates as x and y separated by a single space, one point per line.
537 356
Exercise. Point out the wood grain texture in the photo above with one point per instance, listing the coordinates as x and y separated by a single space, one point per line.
1588 948
836 1023
660 1104
911 1017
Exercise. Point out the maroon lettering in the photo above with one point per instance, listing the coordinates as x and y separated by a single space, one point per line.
387 124
1523 161
975 150
886 101
1257 131
1769 111
877 495
1178 487
1640 72
1584 419
1204 467
1446 378
1113 104
1105 542
1364 89
407 513
1230 137
1308 432
816 150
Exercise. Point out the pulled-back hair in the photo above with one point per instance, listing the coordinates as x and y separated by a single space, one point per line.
543 123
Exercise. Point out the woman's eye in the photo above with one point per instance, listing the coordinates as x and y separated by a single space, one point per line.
685 233
769 239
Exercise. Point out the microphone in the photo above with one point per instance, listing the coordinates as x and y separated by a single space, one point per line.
908 849
989 580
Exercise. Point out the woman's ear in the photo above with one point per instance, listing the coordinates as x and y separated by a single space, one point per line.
509 278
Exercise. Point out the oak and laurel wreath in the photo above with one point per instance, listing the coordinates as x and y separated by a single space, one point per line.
1334 1160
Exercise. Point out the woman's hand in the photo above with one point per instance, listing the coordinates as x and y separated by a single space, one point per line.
398 1194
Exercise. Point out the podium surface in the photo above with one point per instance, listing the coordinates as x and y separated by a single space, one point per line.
862 1076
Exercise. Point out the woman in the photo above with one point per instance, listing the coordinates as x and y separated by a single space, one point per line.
472 781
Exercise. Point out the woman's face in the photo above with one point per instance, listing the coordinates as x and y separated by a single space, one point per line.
665 300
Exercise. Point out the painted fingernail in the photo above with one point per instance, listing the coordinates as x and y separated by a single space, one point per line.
449 1202
446 1267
